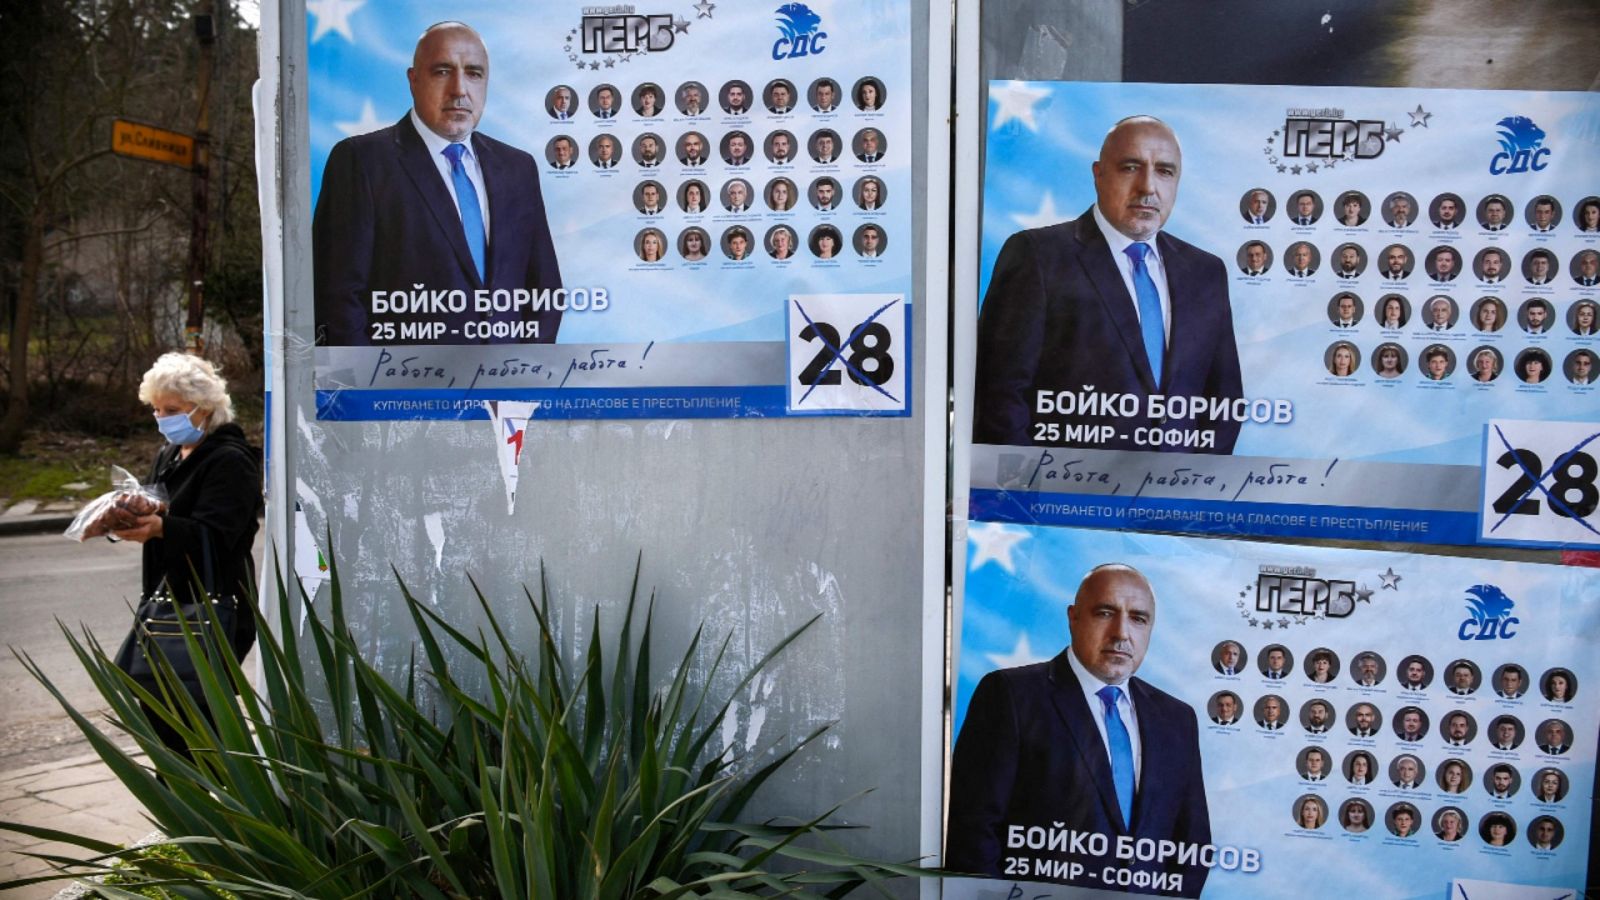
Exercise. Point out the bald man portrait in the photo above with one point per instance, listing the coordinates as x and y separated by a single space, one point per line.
1080 743
1113 301
431 203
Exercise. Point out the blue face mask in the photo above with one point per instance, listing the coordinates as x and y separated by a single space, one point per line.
178 429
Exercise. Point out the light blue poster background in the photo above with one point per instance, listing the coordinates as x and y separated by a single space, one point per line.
1020 581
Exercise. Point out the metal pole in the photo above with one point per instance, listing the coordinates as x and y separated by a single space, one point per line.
200 191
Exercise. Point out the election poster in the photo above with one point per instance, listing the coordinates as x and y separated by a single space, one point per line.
1357 313
688 209
1289 721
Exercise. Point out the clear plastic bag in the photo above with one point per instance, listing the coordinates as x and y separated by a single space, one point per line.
118 509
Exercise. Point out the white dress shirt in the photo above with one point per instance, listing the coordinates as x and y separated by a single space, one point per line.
1130 717
1119 243
469 161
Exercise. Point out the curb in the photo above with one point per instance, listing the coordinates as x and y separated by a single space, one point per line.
35 524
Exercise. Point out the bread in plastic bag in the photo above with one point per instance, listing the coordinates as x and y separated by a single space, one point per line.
118 509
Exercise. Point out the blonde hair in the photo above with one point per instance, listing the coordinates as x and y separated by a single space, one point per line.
193 380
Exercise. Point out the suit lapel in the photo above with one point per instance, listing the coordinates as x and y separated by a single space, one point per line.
1084 733
1152 784
1094 255
1183 281
424 175
488 165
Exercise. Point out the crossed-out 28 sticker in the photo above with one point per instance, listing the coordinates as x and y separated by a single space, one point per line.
847 352
1541 483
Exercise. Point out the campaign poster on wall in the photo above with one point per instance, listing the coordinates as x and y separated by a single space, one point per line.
1359 313
1371 724
612 211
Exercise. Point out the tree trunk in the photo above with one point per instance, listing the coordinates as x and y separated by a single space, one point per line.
16 417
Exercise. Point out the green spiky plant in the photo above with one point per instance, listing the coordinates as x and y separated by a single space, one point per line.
549 781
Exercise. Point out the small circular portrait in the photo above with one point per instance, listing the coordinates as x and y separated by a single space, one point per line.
1439 313
651 245
1355 815
1491 265
649 100
1345 310
1275 661
1402 820
1443 264
823 95
736 148
1353 208
1545 833
1342 359
1494 212
1223 707
1406 772
868 94
782 242
1462 677
1584 318
1257 206
1489 315
604 101
561 152
691 98
1360 767
736 243
1271 712
824 242
1415 672
779 148
1438 362
1587 215
1394 311
1486 364
694 244
1228 658
1447 211
1510 681
735 97
1506 733
869 241
1254 258
1536 316
779 95
1458 728
1400 210
1533 366
736 196
1322 665
1305 208
1555 737
692 149
1497 829
1368 668
1310 812
1302 260
1317 716
1349 261
1450 824
1550 785
1364 720
1389 360
1585 268
1558 685
824 194
869 145
869 193
1543 212
1539 267
605 152
560 102
781 194
648 150
1579 367
1411 724
1396 262
1454 776
824 146
692 196
650 198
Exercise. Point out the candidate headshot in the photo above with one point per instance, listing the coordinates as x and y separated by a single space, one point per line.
560 102
1402 820
1364 720
604 152
412 203
694 244
1317 716
1587 215
1489 315
1447 211
1440 313
1394 311
1228 658
869 145
1462 677
1367 669
780 194
692 149
1536 316
1310 811
824 95
1439 362
1086 302
1415 672
736 148
1406 772
1457 728
1360 767
1510 681
1533 366
1497 829
1443 264
650 198
736 243
1579 367
869 241
1389 360
1585 268
735 98
1494 212
779 96
736 196
1411 724
648 151
1539 267
1081 742
1543 213
1582 318
1254 258
561 152
868 94
869 193
1396 262
1342 359
1554 737
782 242
1257 206
1486 364
692 196
1491 265
825 146
1302 260
780 148
691 98
1544 833
1449 824
1271 712
1353 209
1558 685
651 245
825 242
1305 208
824 194
1454 776
1355 815
603 101
1549 786
1224 708
648 100
1505 733
1275 662
1349 261
1400 210
1322 665
1314 764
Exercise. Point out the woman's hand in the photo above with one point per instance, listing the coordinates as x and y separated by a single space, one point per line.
145 528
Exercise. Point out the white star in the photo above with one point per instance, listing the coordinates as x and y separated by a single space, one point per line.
368 123
704 8
1390 579
1021 655
992 542
1016 100
1420 117
333 15
1046 215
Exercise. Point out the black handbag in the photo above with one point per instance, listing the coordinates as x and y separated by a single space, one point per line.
157 631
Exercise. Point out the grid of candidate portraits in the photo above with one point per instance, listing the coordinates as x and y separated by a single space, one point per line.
1466 752
710 182
1452 292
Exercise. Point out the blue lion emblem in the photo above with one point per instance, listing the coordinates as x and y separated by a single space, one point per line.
1488 603
796 20
1519 133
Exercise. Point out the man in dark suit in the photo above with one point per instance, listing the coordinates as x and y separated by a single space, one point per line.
1061 745
1110 301
429 206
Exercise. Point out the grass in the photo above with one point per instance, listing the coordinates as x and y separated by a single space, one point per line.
52 460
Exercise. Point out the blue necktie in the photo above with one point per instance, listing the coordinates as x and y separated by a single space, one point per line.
1151 324
467 200
1121 747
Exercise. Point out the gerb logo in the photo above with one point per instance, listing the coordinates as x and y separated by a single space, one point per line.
802 34
1520 147
1491 616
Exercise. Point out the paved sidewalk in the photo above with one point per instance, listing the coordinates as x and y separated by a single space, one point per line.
33 517
77 795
